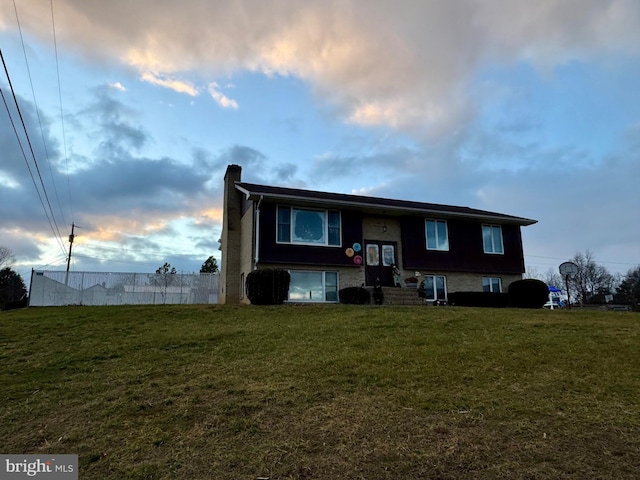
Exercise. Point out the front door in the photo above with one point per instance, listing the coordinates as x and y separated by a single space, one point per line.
379 258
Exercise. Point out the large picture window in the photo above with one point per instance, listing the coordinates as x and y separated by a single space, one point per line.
313 286
437 237
492 239
308 227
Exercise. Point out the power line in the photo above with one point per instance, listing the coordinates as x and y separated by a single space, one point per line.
564 259
15 131
64 136
56 230
35 102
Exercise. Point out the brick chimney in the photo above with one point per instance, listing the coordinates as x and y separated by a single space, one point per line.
230 239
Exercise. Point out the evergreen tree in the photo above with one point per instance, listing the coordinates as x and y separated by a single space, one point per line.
209 266
629 288
12 287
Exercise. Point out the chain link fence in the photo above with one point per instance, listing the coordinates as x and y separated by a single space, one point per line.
55 288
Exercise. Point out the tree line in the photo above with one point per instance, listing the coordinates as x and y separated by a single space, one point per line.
594 284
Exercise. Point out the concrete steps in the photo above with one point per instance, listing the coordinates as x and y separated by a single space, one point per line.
399 296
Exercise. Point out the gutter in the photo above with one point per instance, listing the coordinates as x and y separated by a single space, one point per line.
256 231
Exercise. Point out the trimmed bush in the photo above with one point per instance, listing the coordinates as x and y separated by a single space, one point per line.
354 296
268 286
528 293
479 299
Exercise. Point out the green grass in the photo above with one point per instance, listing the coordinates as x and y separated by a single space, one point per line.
324 392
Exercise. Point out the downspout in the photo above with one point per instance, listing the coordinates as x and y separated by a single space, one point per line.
256 231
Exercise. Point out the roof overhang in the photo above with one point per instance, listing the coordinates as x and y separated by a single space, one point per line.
376 206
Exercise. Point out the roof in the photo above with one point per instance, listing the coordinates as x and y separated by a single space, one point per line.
375 204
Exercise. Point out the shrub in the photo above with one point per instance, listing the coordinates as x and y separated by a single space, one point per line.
479 299
268 286
354 295
528 293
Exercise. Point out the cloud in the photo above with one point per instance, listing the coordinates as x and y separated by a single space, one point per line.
416 67
402 64
220 98
117 86
113 189
116 122
179 86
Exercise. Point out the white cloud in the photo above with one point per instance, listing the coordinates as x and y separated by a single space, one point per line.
179 86
220 98
7 180
117 86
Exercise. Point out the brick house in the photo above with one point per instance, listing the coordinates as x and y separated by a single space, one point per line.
328 241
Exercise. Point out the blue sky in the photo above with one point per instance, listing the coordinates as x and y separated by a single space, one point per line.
519 107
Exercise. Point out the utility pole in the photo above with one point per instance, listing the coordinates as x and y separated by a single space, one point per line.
71 237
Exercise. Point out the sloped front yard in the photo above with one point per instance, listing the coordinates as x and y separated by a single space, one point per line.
319 392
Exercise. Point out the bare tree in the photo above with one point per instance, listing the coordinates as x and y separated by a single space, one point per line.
531 272
165 276
592 280
6 257
553 277
550 277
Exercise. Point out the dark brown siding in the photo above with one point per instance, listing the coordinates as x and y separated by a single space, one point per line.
273 252
465 249
465 246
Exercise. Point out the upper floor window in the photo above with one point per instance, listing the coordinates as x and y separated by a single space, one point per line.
492 239
308 227
436 232
491 284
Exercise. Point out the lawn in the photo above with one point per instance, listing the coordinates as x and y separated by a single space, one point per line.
324 392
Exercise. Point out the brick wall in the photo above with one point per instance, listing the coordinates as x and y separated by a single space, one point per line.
230 239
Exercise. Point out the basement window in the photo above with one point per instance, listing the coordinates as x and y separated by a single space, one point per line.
312 286
491 284
435 287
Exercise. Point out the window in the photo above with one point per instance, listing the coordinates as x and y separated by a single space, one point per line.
313 286
308 227
491 284
373 254
492 238
388 255
437 238
435 287
284 224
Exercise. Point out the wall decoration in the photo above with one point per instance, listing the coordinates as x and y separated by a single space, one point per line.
357 260
357 247
349 252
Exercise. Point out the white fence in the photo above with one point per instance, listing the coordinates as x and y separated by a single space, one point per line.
54 288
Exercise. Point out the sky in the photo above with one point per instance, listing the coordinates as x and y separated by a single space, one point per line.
133 110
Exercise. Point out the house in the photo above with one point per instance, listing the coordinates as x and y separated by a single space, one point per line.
328 241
